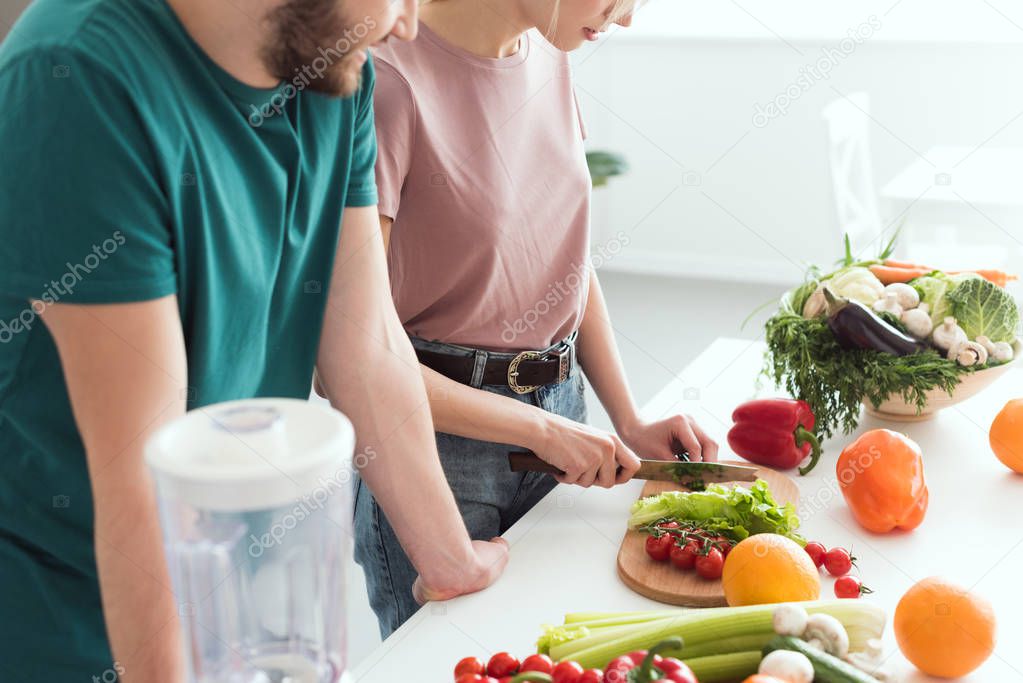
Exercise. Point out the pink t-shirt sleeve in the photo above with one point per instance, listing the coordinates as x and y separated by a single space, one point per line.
396 126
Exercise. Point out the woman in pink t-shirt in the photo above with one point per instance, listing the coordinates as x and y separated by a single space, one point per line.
484 203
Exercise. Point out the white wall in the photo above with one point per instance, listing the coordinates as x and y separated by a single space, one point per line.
709 193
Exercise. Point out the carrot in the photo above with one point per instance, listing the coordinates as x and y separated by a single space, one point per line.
890 274
904 264
998 277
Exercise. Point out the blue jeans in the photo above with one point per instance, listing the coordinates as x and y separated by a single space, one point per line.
489 495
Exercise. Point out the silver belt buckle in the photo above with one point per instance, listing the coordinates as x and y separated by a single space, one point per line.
513 372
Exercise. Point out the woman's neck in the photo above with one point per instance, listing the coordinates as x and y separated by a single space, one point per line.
484 28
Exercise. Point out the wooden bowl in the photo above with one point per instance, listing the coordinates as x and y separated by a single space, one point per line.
897 410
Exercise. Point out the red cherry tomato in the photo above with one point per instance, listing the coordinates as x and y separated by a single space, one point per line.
838 561
540 663
502 664
669 525
816 551
469 665
709 566
592 676
471 678
659 547
684 557
567 672
849 586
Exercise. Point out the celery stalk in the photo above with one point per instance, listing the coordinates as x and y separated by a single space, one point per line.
714 631
593 619
731 667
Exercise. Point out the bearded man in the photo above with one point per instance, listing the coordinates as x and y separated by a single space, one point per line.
188 216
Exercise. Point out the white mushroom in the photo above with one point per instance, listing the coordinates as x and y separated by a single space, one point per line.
871 661
905 295
815 304
789 620
918 322
968 354
789 666
948 335
827 633
999 351
889 303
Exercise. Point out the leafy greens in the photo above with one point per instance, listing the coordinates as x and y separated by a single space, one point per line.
739 510
984 309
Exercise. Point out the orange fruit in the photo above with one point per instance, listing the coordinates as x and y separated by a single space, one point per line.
1007 435
769 568
944 630
762 678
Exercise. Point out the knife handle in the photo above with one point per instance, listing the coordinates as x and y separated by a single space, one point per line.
527 461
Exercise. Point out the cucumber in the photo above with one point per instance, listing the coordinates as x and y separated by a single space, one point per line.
826 668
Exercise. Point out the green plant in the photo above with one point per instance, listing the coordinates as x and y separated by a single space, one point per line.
604 165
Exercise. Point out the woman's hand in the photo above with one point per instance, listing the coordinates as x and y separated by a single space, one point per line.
660 440
585 454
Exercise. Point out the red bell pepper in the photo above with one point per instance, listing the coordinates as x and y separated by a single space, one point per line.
777 432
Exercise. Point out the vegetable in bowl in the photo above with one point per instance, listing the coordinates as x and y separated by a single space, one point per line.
838 354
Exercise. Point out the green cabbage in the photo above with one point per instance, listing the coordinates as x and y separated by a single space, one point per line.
933 289
739 510
984 309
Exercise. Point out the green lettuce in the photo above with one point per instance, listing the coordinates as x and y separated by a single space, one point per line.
933 290
737 510
984 309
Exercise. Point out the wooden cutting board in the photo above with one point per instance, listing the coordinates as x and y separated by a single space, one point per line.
661 581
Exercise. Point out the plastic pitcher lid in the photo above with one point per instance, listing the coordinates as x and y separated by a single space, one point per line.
251 454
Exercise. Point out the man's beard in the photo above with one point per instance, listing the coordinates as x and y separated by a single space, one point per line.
305 38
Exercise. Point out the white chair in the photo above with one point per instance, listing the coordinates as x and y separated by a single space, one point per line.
852 171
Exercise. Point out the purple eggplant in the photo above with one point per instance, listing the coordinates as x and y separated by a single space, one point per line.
857 327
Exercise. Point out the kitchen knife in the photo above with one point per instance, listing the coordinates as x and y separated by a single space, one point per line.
680 472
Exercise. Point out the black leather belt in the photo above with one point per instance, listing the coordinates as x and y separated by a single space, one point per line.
522 373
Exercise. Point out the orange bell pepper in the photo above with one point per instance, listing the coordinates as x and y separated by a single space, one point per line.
881 475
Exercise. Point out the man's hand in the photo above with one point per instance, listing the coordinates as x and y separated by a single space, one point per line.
490 558
662 439
588 456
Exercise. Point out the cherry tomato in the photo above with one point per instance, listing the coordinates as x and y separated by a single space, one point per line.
726 548
470 665
502 664
709 566
838 561
849 586
659 547
684 557
472 678
592 676
669 525
816 551
541 663
567 672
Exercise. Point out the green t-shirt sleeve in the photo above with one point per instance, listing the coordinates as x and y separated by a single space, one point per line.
84 218
362 185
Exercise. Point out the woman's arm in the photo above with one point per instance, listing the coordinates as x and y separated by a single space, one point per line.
600 360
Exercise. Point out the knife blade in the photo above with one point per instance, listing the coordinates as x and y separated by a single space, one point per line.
680 472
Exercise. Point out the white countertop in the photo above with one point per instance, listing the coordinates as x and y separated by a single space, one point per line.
564 550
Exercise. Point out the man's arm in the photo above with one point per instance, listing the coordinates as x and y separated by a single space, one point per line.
368 370
598 354
125 369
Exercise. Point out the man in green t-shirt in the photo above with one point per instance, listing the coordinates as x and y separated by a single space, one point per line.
175 177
